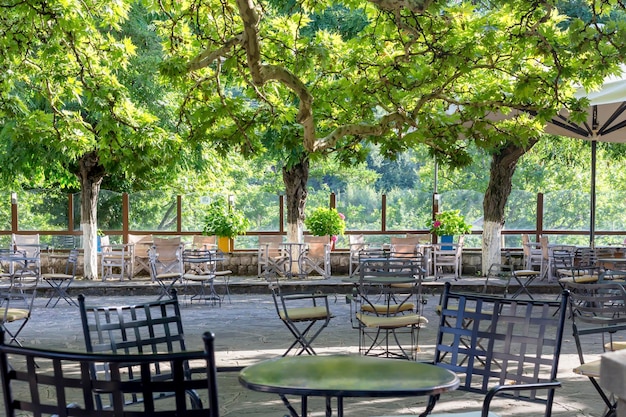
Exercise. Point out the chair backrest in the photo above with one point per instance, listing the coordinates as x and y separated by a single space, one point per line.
146 328
204 242
498 341
72 261
316 246
393 267
596 309
141 243
28 244
199 261
168 254
404 246
269 245
68 377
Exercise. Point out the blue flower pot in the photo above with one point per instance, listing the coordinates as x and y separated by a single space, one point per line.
447 239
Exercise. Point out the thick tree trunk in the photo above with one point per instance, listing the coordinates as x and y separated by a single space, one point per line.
91 174
503 164
295 179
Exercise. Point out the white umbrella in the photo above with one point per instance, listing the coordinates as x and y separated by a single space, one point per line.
606 122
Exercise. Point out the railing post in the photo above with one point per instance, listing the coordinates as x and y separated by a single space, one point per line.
333 201
14 210
383 214
539 231
125 224
281 215
179 213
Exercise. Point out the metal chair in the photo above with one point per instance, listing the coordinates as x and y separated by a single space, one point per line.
30 247
304 314
200 267
597 309
166 266
388 305
70 376
315 257
17 297
521 338
60 282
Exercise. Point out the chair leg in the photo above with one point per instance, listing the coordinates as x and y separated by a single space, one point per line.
302 338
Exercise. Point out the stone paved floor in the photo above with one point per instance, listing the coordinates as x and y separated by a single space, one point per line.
248 330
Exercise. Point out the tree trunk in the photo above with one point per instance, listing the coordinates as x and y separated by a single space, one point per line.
503 164
91 174
295 179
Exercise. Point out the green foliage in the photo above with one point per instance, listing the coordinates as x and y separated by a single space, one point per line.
224 221
449 223
325 222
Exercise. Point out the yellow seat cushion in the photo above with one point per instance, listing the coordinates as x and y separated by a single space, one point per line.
615 345
13 314
387 309
582 279
392 322
304 313
591 369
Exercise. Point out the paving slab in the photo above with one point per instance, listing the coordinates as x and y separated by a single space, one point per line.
248 330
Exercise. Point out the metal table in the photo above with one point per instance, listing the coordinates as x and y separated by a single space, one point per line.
343 376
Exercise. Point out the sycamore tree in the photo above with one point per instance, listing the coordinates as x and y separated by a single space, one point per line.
67 115
264 76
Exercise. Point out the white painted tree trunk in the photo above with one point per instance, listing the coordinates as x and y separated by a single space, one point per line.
491 245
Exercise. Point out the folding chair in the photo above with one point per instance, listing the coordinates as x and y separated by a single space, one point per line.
204 242
17 297
304 314
166 267
389 299
69 377
315 257
272 260
60 282
141 244
597 309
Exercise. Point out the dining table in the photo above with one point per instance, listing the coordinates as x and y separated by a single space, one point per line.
345 376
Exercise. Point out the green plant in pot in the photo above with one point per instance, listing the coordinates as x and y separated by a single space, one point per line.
449 223
224 221
325 222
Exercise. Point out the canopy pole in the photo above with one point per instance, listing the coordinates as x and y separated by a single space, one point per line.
592 220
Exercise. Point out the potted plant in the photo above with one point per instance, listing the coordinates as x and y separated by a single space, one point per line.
326 222
223 221
449 223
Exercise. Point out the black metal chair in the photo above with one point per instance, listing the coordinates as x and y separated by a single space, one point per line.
60 282
132 329
388 305
597 309
27 373
503 347
305 314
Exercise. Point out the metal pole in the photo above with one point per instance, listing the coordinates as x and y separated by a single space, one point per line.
592 217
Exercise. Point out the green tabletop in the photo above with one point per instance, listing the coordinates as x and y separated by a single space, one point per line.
347 376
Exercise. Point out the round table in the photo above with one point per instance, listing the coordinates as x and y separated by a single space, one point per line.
343 376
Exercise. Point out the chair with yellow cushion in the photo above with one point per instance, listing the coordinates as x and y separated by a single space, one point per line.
17 297
305 314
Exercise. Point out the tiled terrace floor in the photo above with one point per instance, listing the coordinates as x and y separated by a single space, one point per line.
248 330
